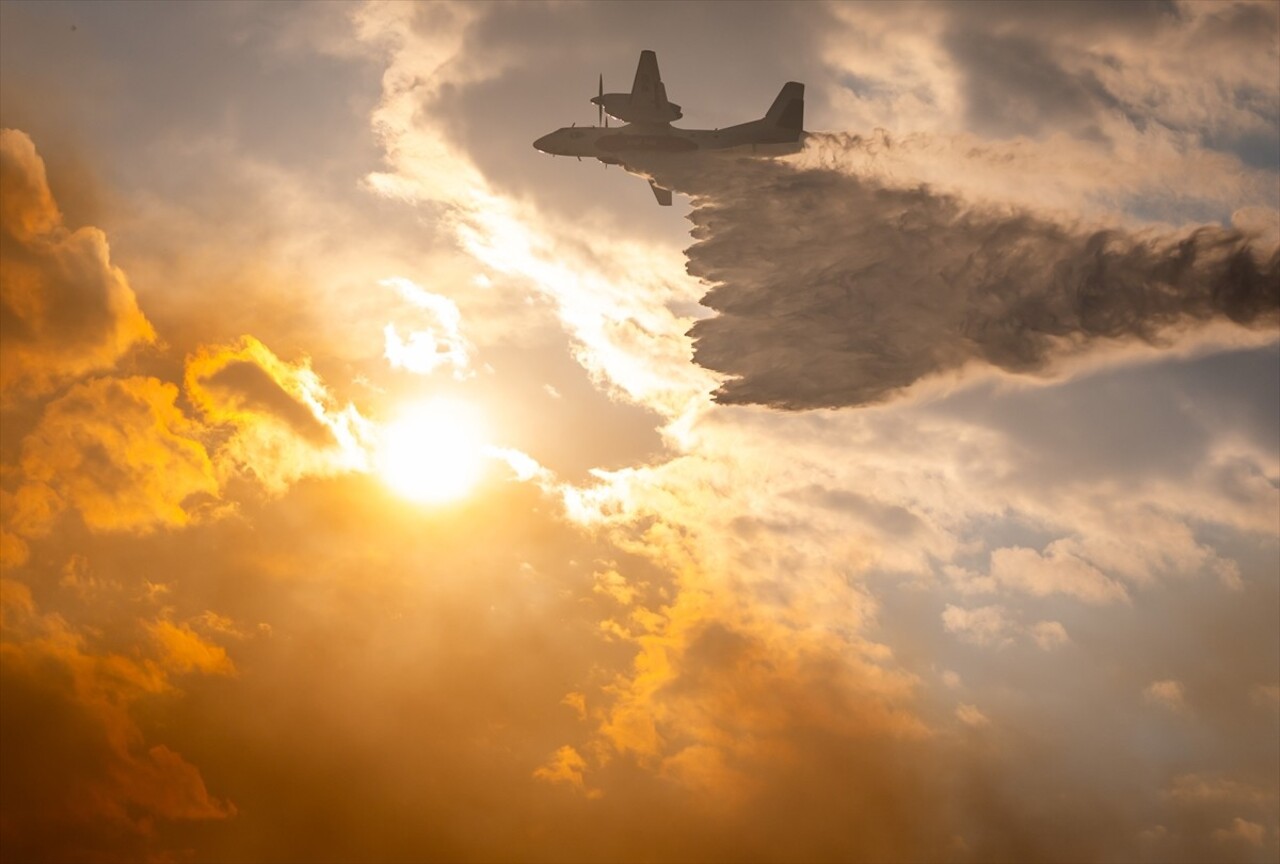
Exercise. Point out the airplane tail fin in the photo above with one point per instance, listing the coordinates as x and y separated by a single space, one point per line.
787 111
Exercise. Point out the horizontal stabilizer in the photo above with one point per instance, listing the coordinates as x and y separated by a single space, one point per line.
663 195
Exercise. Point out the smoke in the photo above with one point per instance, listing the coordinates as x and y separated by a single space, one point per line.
837 289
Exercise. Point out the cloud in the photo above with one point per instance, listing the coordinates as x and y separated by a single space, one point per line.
119 452
1242 830
284 422
1191 789
613 294
65 310
993 625
1219 817
614 585
1058 572
440 341
971 716
738 702
1167 693
1140 87
567 766
986 625
1049 634
715 708
81 781
245 389
844 291
183 650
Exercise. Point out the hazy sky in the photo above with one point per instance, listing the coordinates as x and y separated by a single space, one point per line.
378 488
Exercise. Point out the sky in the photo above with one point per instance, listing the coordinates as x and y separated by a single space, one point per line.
378 488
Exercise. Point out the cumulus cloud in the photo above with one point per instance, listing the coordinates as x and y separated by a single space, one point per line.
994 626
65 310
712 707
1221 817
1057 572
119 452
184 650
81 781
842 291
285 423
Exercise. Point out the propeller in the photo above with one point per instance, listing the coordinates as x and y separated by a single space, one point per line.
600 102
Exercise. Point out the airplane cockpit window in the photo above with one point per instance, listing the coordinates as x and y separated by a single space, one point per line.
575 134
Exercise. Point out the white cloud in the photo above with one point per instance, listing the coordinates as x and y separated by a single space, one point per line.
438 341
1058 572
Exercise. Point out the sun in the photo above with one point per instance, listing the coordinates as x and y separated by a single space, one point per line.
433 452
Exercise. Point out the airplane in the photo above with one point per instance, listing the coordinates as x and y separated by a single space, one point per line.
648 116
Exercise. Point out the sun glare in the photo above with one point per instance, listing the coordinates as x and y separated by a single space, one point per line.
433 452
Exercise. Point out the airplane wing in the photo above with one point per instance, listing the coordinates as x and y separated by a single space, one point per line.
647 90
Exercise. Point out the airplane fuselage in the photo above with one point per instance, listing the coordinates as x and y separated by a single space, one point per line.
614 145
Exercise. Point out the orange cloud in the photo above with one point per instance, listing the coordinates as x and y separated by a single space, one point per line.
64 309
184 650
567 766
117 450
1168 693
79 775
286 423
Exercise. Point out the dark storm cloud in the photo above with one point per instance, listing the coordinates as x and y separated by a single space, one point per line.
833 290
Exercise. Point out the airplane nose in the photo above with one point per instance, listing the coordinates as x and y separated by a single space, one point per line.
541 143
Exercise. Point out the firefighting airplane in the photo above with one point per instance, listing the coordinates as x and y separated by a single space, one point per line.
648 116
